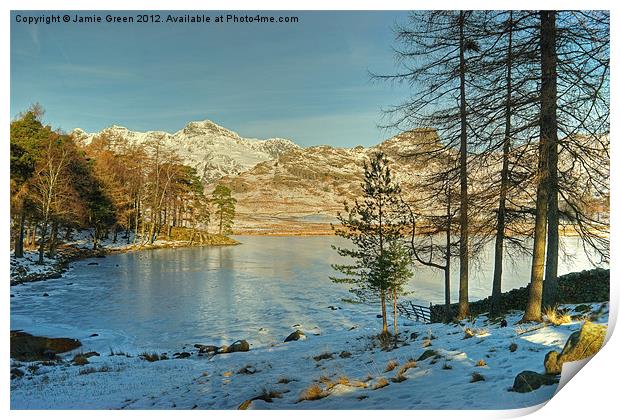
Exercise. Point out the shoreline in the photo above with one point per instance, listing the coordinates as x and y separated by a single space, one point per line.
68 254
565 232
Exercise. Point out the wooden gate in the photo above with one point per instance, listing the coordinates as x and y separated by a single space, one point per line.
414 312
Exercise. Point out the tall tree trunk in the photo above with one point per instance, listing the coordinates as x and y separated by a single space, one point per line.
448 308
549 110
143 236
384 330
19 240
33 236
137 221
191 235
533 310
95 237
394 295
42 242
53 241
27 236
496 296
152 227
464 245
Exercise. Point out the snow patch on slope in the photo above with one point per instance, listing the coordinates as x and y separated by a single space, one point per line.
213 150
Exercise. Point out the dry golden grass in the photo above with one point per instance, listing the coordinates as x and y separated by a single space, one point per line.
80 360
398 378
244 405
343 380
391 365
555 316
152 357
469 333
357 384
325 380
312 393
381 383
409 365
473 332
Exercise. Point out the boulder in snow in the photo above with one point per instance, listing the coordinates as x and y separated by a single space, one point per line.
528 381
580 345
295 336
202 348
29 347
239 345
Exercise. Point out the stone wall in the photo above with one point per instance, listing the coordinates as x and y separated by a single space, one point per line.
578 287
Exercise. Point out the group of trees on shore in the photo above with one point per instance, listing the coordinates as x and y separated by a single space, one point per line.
523 98
106 187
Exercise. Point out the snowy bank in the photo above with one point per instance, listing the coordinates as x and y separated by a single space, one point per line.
470 365
27 269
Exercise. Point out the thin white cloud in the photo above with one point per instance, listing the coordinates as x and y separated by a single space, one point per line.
96 71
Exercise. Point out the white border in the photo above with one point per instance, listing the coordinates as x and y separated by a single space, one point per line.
591 394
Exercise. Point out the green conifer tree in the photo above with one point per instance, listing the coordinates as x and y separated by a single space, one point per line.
375 225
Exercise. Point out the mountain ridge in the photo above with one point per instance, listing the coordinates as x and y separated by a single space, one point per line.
280 186
213 150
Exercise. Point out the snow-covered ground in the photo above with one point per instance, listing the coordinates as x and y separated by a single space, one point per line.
348 366
28 265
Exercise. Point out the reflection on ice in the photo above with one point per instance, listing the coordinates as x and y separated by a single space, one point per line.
165 299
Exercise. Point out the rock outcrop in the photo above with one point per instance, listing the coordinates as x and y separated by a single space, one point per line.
580 345
27 347
528 381
295 336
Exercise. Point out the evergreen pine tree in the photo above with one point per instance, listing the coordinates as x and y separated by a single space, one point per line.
375 225
224 208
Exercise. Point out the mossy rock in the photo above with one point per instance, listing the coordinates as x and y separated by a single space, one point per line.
237 346
295 336
427 354
29 347
528 381
580 345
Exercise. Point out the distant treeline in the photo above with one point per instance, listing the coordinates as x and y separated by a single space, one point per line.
108 187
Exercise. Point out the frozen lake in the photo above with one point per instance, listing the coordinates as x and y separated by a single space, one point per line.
165 299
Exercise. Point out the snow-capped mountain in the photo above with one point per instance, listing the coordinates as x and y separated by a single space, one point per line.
213 150
283 188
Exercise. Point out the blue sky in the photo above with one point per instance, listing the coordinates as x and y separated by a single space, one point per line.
305 81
